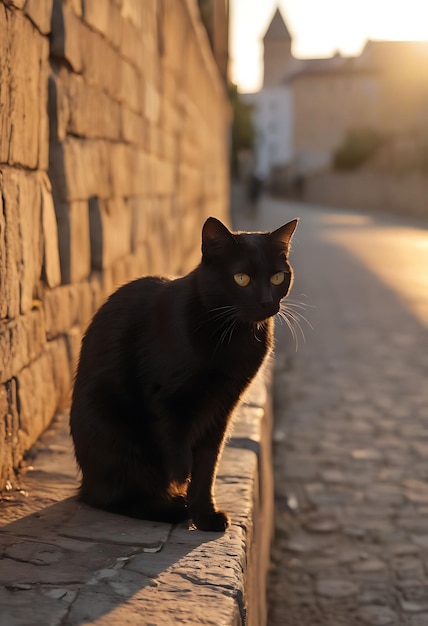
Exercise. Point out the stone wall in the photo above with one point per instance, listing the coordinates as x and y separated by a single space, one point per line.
113 151
405 194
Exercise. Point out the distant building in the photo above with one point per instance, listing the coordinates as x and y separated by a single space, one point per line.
273 107
306 106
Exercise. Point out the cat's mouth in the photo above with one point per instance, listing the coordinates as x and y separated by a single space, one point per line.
263 312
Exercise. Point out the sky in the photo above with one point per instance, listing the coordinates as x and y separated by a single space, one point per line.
319 28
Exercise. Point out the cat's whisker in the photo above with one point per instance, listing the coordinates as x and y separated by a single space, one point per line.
256 327
232 328
298 314
298 303
296 321
305 305
220 312
295 317
230 324
223 327
283 318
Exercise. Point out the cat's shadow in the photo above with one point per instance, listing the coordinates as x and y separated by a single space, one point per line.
68 559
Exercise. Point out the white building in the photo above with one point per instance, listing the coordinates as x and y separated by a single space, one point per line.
272 105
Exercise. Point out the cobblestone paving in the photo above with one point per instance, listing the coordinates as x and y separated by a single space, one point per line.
351 424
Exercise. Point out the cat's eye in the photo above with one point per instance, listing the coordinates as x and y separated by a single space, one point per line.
242 279
277 278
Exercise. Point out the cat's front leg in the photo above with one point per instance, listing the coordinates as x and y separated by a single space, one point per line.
200 494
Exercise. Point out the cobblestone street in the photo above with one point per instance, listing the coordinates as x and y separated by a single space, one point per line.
351 423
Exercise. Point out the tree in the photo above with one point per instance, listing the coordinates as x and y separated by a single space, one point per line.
242 127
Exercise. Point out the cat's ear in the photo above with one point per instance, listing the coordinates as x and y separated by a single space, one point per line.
284 233
215 235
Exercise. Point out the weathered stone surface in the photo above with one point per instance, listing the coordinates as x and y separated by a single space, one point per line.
89 111
110 569
23 52
74 240
336 588
181 601
81 169
36 410
61 310
22 214
19 603
96 525
51 262
378 616
133 127
40 13
106 18
6 434
110 228
11 253
67 33
61 372
353 444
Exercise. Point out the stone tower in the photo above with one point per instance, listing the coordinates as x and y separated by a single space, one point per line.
277 55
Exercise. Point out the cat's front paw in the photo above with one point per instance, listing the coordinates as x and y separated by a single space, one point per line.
217 521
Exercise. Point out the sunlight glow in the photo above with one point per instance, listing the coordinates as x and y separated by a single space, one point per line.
319 28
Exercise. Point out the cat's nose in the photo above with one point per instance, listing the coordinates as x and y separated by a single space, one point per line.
269 308
266 298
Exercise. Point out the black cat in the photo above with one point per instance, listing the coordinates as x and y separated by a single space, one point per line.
162 366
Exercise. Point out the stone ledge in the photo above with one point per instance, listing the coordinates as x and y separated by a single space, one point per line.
65 563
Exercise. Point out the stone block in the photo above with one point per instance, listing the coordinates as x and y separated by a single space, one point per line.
76 5
21 340
5 438
133 127
4 283
61 306
74 339
86 304
131 45
61 372
105 17
92 113
96 14
126 171
101 63
80 169
152 103
23 97
13 352
170 145
21 196
170 117
74 240
19 4
43 115
139 208
133 11
58 104
118 274
154 140
110 228
96 284
51 264
40 13
35 332
10 452
36 409
67 35
130 91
